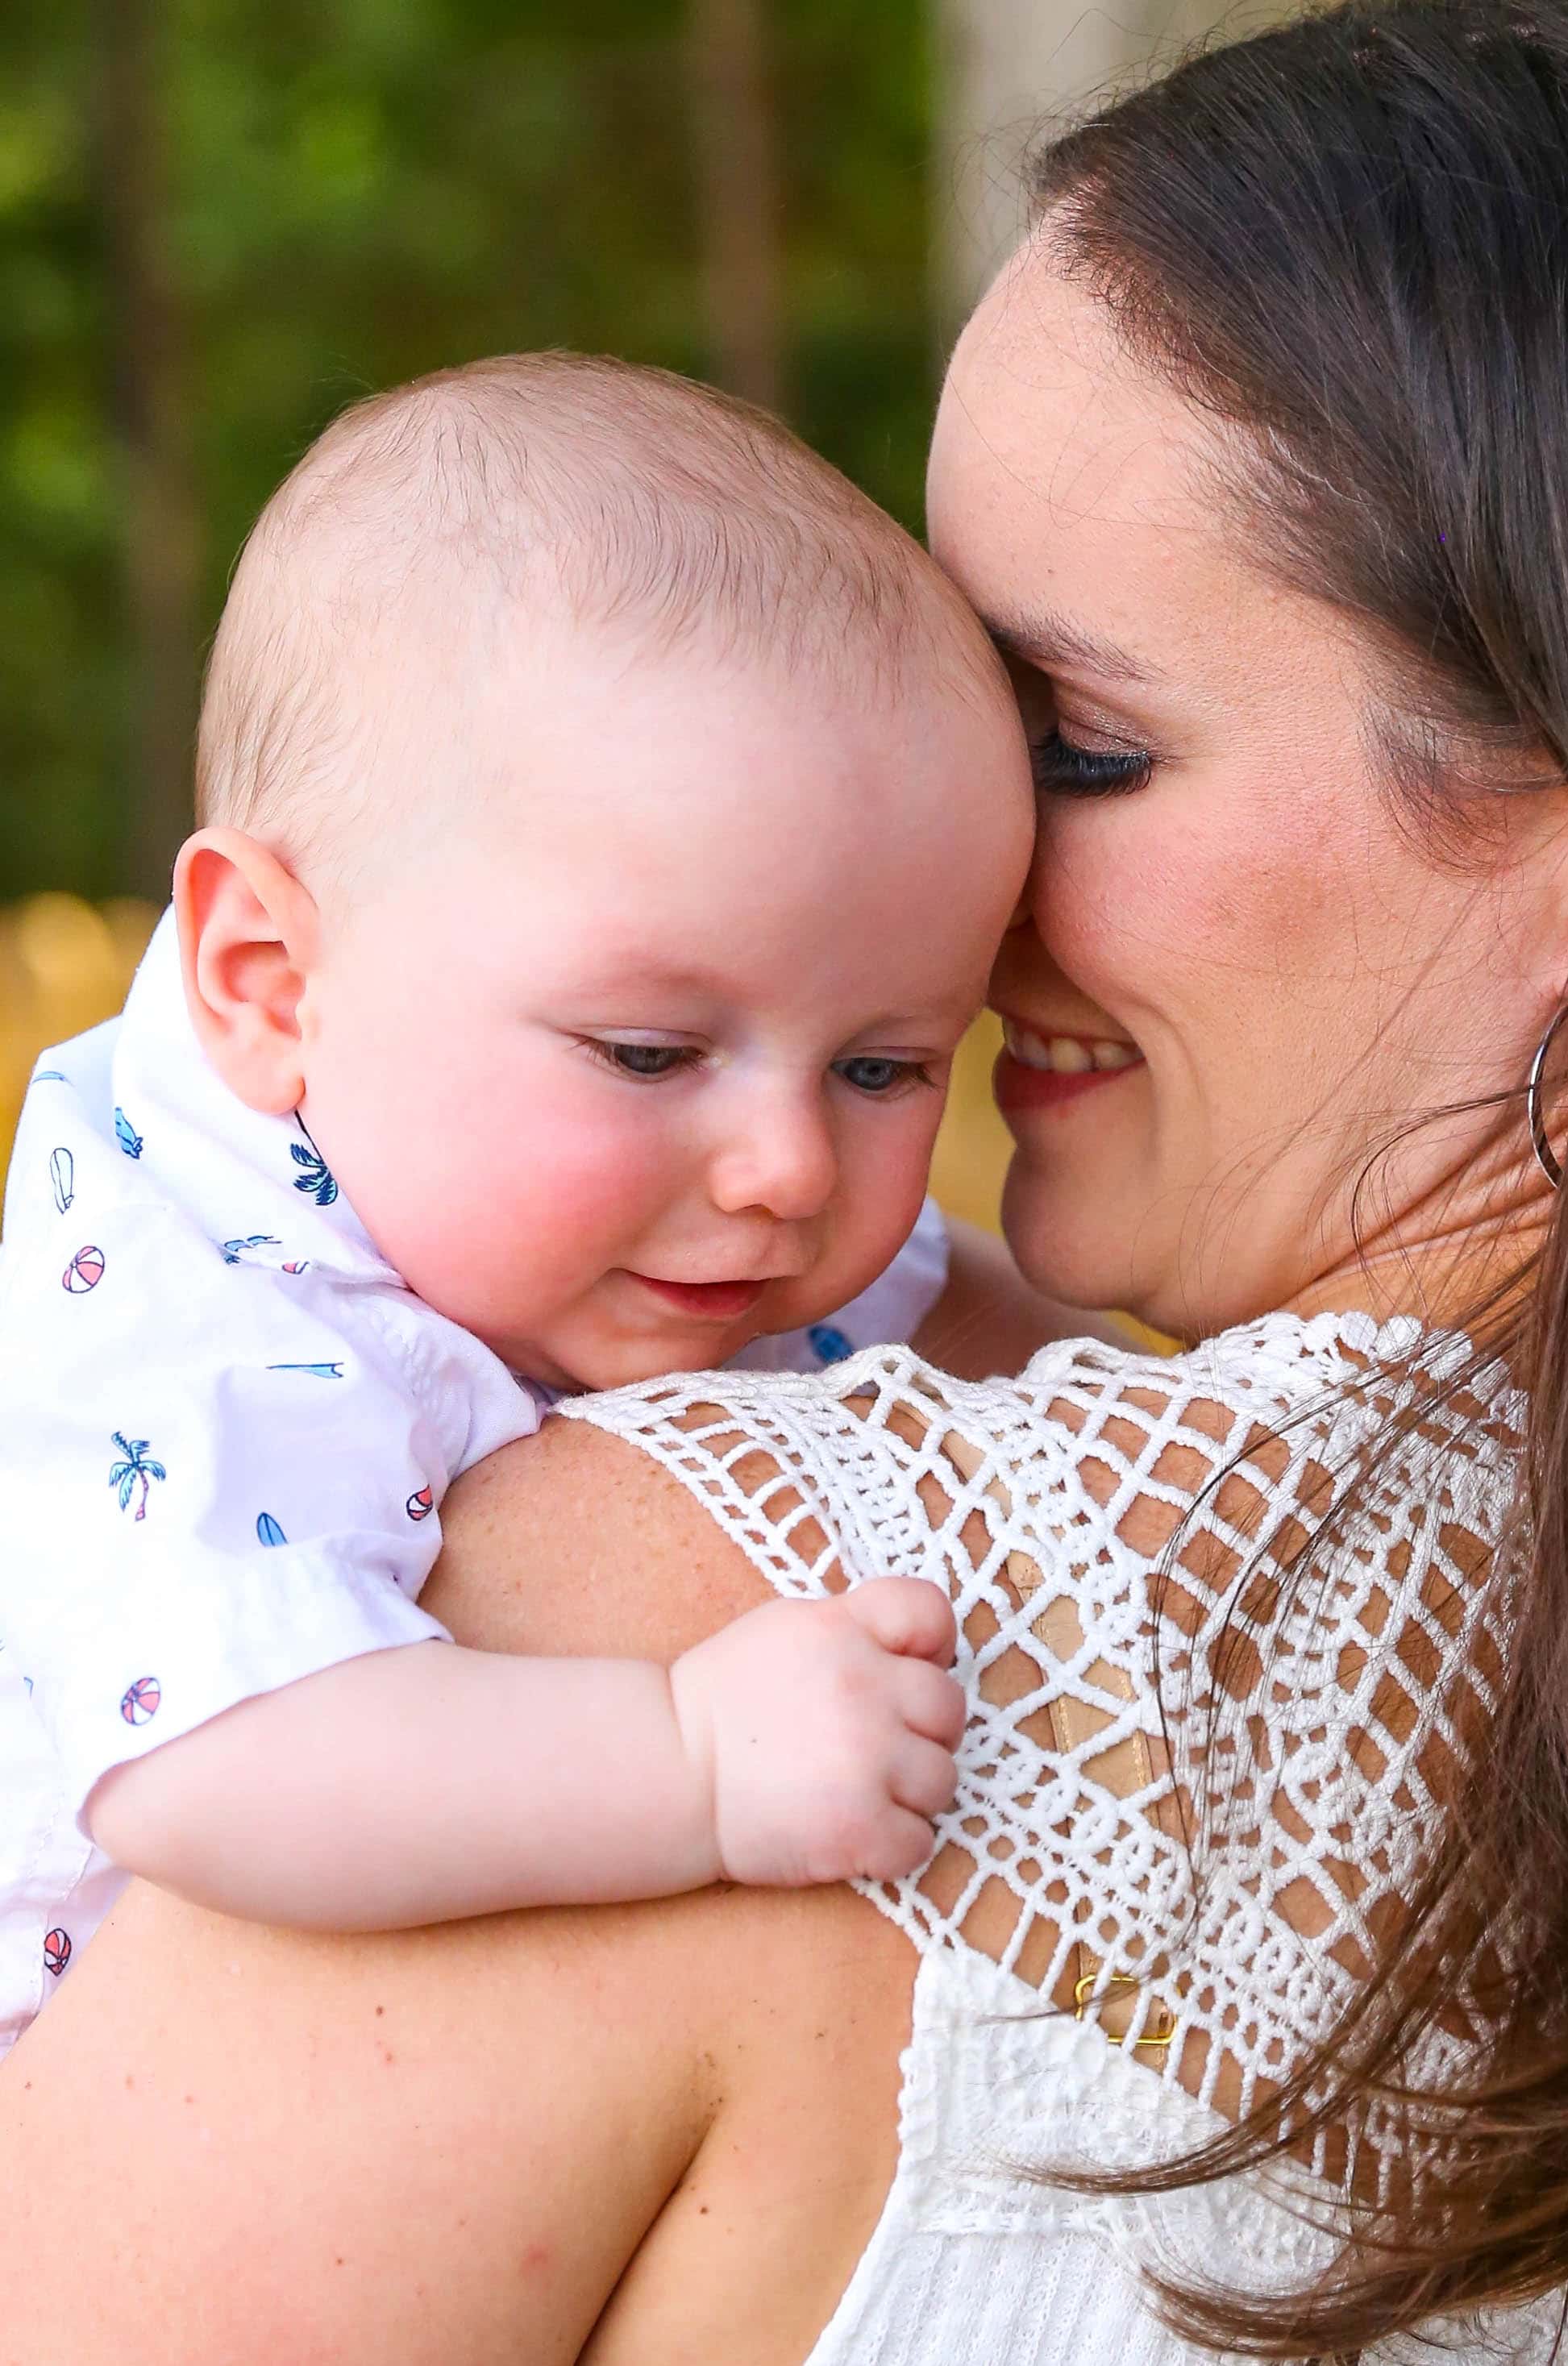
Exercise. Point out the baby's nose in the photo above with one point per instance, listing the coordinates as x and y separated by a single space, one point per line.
784 1161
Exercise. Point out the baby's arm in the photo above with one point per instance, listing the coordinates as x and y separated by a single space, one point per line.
808 1742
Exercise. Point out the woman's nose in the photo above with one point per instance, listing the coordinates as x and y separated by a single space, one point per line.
782 1160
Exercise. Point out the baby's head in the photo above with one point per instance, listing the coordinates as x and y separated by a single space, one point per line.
609 816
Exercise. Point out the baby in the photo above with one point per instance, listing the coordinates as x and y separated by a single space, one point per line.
608 816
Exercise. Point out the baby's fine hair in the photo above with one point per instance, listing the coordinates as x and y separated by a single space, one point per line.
624 497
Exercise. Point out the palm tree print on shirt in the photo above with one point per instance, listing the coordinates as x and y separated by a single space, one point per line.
318 1178
136 1469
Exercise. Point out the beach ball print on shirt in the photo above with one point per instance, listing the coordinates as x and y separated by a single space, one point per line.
56 1951
85 1271
420 1504
139 1702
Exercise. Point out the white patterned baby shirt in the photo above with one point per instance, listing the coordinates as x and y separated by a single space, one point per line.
226 1428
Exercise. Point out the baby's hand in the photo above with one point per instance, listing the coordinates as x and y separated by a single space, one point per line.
827 1730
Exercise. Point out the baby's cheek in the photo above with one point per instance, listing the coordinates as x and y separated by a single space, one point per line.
497 1205
589 1191
883 1189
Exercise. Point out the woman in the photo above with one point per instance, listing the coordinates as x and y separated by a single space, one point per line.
1257 460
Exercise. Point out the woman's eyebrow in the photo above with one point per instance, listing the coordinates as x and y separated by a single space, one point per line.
1048 641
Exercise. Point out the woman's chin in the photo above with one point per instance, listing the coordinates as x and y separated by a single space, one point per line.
1078 1246
1064 1245
1063 1267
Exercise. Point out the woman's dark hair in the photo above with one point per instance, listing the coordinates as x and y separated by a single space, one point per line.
1348 238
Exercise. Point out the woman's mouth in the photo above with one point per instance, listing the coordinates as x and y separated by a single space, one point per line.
1038 1071
710 1301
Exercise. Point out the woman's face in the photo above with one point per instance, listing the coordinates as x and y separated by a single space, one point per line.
1229 917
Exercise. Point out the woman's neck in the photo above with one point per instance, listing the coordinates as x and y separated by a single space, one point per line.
1449 1276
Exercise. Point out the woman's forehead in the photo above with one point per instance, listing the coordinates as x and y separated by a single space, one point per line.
1048 422
1069 482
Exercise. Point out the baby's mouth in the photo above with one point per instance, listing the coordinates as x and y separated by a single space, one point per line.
710 1301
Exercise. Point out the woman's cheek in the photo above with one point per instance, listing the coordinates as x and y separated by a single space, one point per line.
1136 899
1115 934
1102 888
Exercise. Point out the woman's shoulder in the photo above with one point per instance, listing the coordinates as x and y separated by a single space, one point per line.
1279 1362
811 1471
1122 1534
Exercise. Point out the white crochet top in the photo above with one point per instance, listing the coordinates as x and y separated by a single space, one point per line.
1306 1728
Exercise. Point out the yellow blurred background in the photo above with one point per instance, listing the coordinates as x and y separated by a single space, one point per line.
65 963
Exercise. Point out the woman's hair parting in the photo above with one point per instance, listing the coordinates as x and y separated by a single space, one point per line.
1346 240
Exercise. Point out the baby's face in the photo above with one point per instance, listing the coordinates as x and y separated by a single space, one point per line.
649 1057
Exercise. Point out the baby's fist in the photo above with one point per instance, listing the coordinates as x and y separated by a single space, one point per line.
827 1730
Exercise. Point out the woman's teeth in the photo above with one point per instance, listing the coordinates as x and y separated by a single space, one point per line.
1066 1055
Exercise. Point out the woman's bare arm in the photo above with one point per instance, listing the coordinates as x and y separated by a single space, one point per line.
447 2146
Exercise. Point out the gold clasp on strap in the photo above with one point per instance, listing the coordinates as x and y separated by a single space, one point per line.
1095 1985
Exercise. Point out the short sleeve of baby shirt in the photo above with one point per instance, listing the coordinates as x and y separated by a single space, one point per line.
221 1455
887 1313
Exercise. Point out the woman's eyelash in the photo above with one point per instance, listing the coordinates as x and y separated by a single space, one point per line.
1064 770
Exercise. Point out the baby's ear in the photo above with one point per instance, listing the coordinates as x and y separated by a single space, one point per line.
248 940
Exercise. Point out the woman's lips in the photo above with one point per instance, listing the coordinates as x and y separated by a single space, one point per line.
710 1301
1038 1071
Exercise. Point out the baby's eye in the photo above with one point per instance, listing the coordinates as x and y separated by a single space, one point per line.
870 1073
646 1060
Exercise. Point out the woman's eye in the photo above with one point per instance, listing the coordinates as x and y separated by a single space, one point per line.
644 1059
1064 770
870 1075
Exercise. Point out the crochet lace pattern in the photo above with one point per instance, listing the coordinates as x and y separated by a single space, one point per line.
1115 1531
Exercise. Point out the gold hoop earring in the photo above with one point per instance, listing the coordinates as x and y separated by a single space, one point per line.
1546 1157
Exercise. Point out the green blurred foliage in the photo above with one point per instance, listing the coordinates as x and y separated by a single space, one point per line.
364 191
